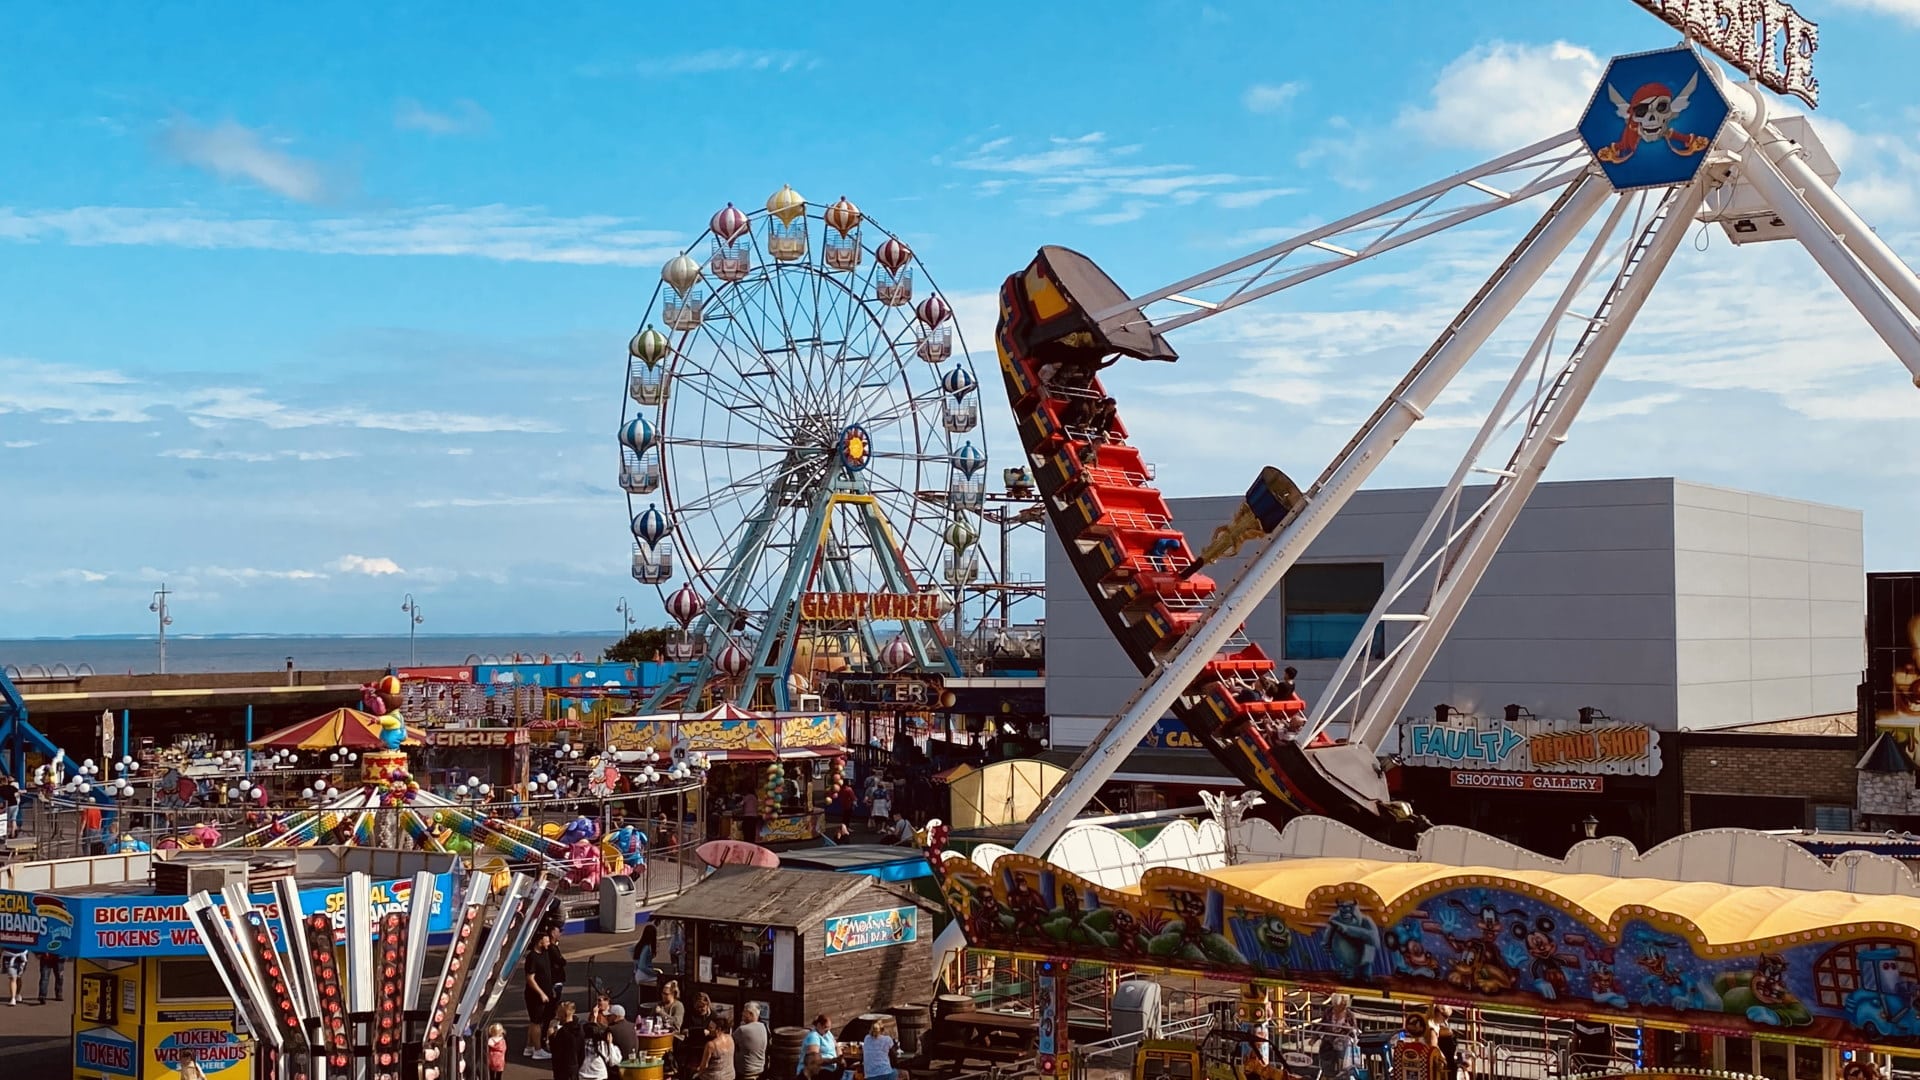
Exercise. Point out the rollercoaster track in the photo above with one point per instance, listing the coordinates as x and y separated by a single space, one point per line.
1139 569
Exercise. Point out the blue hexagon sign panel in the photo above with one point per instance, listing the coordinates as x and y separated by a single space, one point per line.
1653 118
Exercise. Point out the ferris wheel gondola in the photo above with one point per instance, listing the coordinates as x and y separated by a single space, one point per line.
799 422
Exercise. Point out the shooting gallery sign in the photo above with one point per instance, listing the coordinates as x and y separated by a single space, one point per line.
1531 746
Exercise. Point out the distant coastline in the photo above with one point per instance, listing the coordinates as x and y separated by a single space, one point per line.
120 654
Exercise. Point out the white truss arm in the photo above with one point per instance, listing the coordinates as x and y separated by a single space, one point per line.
1337 700
1850 253
1546 432
1547 165
1230 607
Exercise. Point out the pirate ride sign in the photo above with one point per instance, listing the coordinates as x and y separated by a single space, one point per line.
1653 118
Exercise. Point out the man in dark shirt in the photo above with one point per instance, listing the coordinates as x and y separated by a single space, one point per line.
9 806
623 1033
542 994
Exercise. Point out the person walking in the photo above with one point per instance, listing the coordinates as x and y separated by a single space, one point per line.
9 806
566 1044
496 1052
542 994
13 964
749 1045
53 968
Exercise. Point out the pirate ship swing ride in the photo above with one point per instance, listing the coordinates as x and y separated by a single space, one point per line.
1648 161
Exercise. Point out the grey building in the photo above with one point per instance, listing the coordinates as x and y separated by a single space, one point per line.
1661 602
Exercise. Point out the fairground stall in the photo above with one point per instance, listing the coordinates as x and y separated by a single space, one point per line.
146 999
1659 958
798 943
768 774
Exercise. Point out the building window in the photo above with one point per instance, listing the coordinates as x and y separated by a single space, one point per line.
1326 605
1833 818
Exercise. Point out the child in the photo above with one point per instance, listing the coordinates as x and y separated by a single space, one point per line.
496 1051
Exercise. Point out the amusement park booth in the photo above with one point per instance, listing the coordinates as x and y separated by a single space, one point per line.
145 995
769 773
798 942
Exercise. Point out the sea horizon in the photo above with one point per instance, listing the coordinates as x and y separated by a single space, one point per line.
200 654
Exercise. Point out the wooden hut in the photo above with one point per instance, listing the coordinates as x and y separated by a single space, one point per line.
798 942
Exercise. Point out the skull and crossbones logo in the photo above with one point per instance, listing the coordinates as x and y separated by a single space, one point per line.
1648 117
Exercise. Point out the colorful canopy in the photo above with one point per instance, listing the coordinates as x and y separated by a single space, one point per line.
349 728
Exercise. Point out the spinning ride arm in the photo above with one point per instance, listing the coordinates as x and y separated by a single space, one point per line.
1061 320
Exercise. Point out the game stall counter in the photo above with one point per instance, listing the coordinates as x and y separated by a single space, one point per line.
147 1003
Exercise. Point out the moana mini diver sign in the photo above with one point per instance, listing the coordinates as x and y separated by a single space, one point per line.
1468 936
1653 119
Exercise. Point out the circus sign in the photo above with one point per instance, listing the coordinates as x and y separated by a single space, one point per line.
1767 39
881 607
1531 746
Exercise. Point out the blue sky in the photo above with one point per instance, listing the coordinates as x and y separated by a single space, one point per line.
305 309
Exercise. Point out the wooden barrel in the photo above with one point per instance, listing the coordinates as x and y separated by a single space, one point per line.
783 1051
947 1004
913 1021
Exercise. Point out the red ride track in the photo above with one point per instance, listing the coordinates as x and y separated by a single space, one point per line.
1118 532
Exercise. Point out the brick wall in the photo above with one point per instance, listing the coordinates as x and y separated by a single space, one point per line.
1817 769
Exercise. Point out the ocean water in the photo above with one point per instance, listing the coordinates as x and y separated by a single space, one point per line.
191 655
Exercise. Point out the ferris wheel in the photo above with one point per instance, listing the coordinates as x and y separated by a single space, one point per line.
801 454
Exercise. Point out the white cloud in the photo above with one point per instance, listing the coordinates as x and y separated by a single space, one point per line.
65 393
20 444
1242 200
256 456
233 151
368 565
500 233
459 451
468 502
1502 95
1271 97
463 117
713 60
1086 176
1907 11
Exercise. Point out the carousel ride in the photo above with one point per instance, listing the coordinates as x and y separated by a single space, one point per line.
387 806
1669 143
800 437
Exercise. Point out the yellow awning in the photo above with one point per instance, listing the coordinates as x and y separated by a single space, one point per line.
1725 914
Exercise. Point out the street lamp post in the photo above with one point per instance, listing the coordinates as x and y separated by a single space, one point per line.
626 616
159 607
414 619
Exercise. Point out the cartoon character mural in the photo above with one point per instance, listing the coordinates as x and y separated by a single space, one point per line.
1492 938
1354 940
